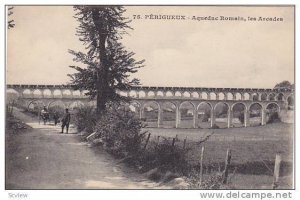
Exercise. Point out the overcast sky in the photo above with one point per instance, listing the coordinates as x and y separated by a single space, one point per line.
177 52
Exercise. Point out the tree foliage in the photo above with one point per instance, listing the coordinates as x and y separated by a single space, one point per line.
284 85
107 64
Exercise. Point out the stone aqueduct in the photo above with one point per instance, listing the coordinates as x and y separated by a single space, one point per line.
279 99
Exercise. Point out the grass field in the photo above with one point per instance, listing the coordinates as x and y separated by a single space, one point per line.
253 151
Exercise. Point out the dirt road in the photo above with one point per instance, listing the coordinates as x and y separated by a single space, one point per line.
42 158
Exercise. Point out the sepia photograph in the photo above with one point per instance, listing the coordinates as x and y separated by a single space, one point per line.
150 97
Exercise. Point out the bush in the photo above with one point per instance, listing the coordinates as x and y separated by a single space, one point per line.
274 118
120 131
85 119
212 182
241 117
165 156
56 110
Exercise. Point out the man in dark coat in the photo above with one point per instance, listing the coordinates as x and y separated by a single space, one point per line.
45 114
65 121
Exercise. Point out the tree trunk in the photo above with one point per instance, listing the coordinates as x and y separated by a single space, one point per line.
102 72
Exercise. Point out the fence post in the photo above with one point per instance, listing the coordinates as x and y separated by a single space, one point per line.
147 141
39 115
201 165
184 142
158 140
276 171
227 163
173 142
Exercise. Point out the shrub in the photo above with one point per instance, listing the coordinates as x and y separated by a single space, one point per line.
165 156
56 110
120 131
212 182
241 117
274 118
85 119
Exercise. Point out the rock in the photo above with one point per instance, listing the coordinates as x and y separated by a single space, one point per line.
98 141
178 183
169 176
154 174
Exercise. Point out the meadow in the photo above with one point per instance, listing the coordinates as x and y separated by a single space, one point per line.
253 152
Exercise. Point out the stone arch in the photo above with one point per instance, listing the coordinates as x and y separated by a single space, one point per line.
57 103
255 96
123 93
37 93
84 92
195 95
35 105
133 94
264 96
150 112
212 96
47 93
272 97
246 96
274 106
221 112
150 93
169 94
66 93
256 114
229 96
57 107
290 102
187 114
238 96
160 94
76 105
178 94
12 91
57 93
27 93
272 113
77 93
204 95
168 110
239 111
204 114
142 94
280 97
221 96
186 94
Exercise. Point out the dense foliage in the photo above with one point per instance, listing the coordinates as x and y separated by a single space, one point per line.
85 119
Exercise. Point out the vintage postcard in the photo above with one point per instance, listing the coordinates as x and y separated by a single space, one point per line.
150 97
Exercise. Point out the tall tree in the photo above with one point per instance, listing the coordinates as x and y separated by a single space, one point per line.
107 64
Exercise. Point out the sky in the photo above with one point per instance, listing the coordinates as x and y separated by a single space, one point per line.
181 53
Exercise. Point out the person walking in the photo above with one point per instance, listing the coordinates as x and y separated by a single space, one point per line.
65 121
56 118
45 115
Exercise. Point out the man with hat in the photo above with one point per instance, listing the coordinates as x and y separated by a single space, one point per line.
65 121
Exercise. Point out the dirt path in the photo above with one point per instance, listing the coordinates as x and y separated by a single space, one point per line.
42 158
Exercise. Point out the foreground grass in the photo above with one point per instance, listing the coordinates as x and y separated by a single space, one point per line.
253 152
